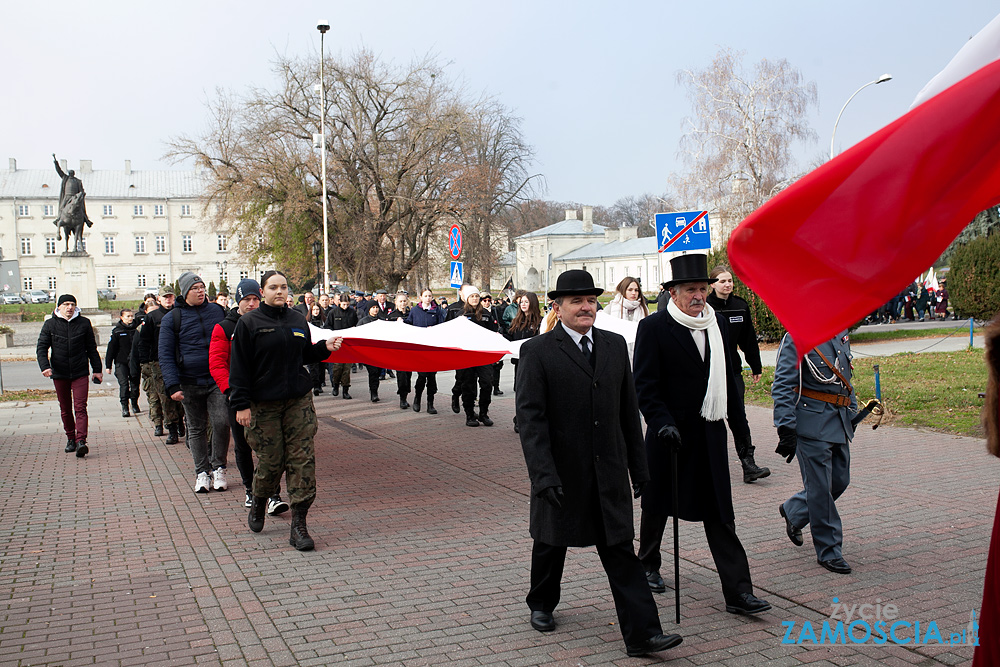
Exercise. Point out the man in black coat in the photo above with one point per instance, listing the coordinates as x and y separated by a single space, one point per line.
684 378
582 441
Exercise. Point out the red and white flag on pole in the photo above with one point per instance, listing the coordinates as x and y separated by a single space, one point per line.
857 229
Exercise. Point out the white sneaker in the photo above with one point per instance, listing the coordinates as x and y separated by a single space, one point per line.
219 479
276 506
248 502
202 482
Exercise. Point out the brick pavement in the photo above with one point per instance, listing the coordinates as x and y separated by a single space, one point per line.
422 551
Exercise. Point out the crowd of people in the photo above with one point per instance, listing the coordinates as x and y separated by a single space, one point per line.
915 302
245 370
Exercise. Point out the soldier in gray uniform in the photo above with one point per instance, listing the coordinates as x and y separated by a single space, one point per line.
813 407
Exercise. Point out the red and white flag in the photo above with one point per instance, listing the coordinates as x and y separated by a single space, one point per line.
848 236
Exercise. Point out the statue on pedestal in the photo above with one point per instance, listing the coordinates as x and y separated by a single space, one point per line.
72 209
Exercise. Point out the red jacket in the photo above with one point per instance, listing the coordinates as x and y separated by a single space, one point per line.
219 349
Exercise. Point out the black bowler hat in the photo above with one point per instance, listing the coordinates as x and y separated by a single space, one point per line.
575 282
688 269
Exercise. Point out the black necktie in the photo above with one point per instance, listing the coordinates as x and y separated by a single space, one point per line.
588 355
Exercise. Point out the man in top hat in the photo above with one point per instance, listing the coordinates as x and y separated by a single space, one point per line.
582 442
685 381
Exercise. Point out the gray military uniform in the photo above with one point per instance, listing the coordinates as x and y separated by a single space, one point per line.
824 435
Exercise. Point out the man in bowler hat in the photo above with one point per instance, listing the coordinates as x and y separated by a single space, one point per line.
582 441
684 378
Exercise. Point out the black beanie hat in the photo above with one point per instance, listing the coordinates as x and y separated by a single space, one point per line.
64 298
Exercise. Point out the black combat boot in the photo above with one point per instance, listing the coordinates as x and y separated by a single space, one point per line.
347 394
180 428
158 430
403 405
416 401
430 405
125 412
335 390
751 471
471 419
81 448
135 406
299 535
374 397
485 419
256 517
173 435
454 403
70 445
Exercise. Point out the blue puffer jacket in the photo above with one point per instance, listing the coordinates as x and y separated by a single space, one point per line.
419 317
184 348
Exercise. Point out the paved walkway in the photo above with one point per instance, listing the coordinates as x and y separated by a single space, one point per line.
422 552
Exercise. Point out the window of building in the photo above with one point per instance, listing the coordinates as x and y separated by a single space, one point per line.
187 243
185 209
161 279
49 210
137 209
140 244
158 210
223 242
50 245
27 284
108 209
52 282
25 245
109 246
161 244
140 280
611 276
112 282
22 210
244 274
656 275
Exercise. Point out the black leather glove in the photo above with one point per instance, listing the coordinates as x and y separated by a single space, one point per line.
670 436
553 495
787 442
638 488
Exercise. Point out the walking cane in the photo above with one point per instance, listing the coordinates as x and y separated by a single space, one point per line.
677 556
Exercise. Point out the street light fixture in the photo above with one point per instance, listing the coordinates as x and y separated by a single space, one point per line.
323 25
881 79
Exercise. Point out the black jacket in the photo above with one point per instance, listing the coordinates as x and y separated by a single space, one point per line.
149 335
269 349
741 331
341 318
66 346
120 345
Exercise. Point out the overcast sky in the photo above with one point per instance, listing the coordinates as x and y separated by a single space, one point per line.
593 81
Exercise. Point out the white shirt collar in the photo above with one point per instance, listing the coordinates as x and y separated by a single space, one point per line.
577 336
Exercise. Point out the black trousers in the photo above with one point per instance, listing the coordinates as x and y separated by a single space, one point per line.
483 376
403 384
128 386
637 612
727 551
430 379
373 375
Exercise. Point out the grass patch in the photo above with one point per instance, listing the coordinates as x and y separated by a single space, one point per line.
28 395
875 336
933 390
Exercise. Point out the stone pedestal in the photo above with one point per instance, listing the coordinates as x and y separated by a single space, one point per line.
75 275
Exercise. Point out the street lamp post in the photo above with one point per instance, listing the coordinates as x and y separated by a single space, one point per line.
323 26
317 247
881 79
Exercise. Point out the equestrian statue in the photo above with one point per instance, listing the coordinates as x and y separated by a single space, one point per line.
72 208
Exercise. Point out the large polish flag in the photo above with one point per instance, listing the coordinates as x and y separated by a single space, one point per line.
848 236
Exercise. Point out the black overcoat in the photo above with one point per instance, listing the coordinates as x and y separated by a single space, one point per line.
671 380
580 430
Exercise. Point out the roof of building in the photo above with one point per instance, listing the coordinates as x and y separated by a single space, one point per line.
564 228
508 259
106 184
602 250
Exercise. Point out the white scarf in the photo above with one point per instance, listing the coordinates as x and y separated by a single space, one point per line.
715 405
627 309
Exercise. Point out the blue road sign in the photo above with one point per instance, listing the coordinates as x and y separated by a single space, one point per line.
683 231
455 241
456 274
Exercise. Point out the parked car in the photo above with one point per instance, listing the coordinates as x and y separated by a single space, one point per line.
35 296
8 298
106 294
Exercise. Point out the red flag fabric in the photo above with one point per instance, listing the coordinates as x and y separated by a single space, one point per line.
848 236
458 343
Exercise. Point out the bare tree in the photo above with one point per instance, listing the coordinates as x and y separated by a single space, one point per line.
639 212
493 181
740 134
393 151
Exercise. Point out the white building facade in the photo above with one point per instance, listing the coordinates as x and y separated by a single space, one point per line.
149 227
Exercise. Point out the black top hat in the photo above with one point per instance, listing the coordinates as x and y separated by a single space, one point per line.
688 269
575 282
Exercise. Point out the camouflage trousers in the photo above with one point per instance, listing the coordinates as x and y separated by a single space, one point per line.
155 411
281 433
170 410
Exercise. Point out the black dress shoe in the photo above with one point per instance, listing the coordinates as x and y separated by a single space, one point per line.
656 583
794 534
542 621
654 644
747 604
70 446
838 565
497 392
